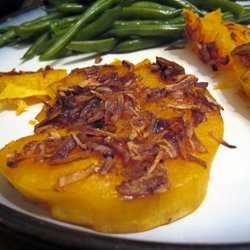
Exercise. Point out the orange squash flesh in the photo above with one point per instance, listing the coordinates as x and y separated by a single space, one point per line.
94 201
20 88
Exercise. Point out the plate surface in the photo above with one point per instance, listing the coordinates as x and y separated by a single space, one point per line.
223 217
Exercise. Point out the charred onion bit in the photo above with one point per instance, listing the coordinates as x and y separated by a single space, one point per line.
168 69
108 116
243 51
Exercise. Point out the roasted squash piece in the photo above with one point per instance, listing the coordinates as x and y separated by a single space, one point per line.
17 87
218 44
127 152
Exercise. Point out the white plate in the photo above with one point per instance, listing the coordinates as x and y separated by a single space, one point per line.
223 217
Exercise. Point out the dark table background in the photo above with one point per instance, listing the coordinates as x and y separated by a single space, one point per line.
10 240
9 8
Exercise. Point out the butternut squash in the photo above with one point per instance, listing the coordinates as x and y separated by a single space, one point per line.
215 41
17 88
76 191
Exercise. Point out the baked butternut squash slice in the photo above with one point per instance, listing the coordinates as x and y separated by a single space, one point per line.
124 149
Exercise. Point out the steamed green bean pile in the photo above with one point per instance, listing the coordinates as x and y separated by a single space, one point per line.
102 26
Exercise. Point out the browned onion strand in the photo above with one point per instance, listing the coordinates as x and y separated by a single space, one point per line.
144 185
98 59
75 177
101 103
243 51
220 140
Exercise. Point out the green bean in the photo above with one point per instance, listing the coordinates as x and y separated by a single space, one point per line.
174 30
138 44
33 29
58 2
4 29
62 53
99 46
176 20
104 22
7 37
42 19
32 51
103 25
148 13
25 39
71 8
60 24
45 46
153 5
58 33
225 5
245 17
194 2
86 17
54 2
183 4
228 16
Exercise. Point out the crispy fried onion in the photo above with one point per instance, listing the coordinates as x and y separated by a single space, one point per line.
75 177
94 108
220 140
154 182
243 51
103 100
97 103
168 70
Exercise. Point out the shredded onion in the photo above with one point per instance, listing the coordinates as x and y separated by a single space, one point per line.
220 140
77 176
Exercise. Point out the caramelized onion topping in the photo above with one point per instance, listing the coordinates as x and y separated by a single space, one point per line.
144 185
97 108
243 51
